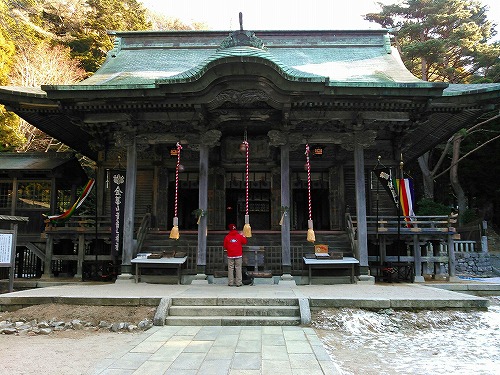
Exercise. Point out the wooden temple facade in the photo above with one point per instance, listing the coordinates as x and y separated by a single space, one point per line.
346 94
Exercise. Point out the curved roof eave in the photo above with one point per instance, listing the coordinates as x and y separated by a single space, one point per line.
243 54
457 89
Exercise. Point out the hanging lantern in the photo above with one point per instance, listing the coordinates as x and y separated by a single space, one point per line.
310 231
174 233
243 147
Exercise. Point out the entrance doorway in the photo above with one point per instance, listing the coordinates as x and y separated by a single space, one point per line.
320 202
188 198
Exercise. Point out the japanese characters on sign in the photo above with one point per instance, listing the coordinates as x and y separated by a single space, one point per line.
6 248
117 209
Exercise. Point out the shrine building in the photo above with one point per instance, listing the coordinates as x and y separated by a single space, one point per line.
280 129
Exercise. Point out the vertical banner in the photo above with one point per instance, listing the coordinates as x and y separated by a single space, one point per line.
117 200
406 198
386 180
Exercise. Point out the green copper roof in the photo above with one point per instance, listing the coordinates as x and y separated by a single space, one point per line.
244 54
337 58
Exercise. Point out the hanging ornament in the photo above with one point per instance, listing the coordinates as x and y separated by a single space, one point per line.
247 230
310 231
174 233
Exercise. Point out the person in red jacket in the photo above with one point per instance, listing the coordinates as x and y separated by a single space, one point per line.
233 243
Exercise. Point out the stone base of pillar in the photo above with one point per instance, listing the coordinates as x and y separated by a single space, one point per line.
366 279
287 280
125 278
419 279
200 278
46 277
454 279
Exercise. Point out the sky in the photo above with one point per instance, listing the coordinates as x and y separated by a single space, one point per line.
283 14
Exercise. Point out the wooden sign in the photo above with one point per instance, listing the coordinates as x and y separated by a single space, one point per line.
6 246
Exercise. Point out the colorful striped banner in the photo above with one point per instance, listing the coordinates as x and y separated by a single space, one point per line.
69 212
406 194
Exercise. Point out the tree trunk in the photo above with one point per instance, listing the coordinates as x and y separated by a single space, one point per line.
455 183
423 162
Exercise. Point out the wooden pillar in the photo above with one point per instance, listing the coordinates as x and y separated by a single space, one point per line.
285 202
81 256
359 172
276 212
201 259
49 250
129 214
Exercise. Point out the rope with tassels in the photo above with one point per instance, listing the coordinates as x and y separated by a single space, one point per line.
247 230
174 233
310 231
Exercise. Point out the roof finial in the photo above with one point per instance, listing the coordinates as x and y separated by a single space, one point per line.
241 21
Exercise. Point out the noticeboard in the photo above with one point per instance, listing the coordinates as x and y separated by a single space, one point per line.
6 245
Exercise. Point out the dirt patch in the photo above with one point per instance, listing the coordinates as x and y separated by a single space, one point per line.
85 313
69 351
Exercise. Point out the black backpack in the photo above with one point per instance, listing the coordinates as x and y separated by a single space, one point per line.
246 278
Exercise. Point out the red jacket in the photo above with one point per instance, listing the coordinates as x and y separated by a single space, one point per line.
233 243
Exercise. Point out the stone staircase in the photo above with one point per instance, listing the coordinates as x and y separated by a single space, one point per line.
219 311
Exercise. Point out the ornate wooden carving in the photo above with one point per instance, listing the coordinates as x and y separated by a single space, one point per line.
240 97
364 138
259 149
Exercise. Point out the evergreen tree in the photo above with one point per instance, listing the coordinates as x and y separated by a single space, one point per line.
442 40
91 43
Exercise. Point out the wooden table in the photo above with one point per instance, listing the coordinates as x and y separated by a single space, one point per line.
346 262
144 262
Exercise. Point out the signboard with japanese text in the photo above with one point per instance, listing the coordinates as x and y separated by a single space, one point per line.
117 209
6 245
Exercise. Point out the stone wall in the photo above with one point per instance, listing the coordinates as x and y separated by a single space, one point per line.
473 264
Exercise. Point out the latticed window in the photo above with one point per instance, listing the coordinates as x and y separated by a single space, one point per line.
63 200
5 194
33 194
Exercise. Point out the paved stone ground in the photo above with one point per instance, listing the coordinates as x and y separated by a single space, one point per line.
230 350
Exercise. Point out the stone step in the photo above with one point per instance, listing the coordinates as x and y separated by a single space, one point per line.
234 301
233 311
260 311
231 321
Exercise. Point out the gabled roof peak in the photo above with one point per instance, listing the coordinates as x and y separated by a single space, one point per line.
242 38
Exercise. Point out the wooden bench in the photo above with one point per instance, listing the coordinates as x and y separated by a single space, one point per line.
345 262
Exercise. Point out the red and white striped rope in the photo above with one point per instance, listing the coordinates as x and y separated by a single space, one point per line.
179 148
245 142
308 166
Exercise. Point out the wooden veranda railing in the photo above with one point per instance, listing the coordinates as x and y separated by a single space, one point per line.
427 243
217 261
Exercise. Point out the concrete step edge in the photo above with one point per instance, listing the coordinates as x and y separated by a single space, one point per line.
234 301
231 320
276 311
